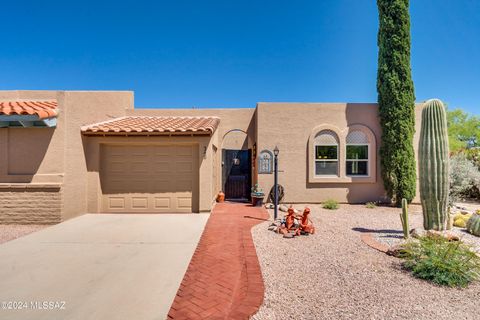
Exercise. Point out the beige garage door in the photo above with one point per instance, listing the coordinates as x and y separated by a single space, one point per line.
142 178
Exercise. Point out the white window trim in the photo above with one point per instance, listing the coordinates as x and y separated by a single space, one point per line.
362 160
327 160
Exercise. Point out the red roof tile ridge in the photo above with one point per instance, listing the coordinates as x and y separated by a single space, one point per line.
159 124
173 117
42 108
88 126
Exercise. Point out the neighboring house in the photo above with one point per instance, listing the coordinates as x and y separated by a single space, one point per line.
65 153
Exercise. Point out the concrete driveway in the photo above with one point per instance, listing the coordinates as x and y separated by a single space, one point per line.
98 266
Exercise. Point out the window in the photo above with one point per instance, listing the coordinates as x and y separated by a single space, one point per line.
357 154
326 153
265 162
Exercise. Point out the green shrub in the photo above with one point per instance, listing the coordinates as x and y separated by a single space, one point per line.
371 205
435 259
330 204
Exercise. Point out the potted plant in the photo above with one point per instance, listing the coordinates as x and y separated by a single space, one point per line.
257 196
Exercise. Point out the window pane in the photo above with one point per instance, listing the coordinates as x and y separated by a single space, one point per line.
357 152
326 168
326 152
357 168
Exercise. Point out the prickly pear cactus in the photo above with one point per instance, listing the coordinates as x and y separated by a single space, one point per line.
434 166
473 225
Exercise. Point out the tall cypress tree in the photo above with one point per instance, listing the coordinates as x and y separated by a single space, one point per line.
396 99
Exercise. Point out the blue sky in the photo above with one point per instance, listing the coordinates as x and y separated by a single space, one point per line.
234 53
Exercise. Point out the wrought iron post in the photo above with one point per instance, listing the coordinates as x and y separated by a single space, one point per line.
275 183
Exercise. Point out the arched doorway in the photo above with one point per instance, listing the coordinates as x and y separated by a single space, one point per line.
236 165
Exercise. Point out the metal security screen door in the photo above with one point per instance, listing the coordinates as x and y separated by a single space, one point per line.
236 177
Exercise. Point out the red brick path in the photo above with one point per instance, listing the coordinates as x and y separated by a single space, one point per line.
370 241
223 280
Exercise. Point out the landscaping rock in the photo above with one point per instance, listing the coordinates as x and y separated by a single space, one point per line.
396 251
418 233
445 234
283 208
451 236
288 235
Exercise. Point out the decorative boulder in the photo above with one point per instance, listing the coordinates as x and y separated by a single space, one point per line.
418 233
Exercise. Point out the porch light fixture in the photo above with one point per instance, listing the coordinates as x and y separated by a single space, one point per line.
276 151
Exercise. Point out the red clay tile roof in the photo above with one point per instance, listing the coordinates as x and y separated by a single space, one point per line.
153 125
43 109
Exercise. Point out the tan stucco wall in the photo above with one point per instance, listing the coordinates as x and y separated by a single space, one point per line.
290 125
41 162
48 159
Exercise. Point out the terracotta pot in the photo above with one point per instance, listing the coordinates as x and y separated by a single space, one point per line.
221 197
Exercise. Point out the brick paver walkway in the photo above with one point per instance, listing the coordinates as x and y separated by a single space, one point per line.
223 280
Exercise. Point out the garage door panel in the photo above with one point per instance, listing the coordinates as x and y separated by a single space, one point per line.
184 203
162 203
116 203
184 151
148 178
139 203
118 167
139 167
184 167
162 187
163 151
162 167
182 186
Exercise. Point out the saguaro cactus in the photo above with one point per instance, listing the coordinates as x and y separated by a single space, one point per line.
434 166
404 218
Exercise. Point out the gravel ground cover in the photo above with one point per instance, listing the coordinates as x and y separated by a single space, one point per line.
334 275
395 236
13 231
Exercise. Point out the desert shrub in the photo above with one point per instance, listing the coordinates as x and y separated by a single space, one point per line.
370 205
473 154
464 178
330 204
435 259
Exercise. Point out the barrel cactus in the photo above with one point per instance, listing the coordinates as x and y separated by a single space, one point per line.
434 166
473 225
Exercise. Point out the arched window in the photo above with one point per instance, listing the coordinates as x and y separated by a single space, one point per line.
326 153
265 162
357 154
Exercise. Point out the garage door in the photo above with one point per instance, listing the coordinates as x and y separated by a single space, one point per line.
141 178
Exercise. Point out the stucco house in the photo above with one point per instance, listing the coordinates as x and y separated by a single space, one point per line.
65 153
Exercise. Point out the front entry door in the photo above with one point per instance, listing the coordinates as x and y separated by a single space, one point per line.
236 177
